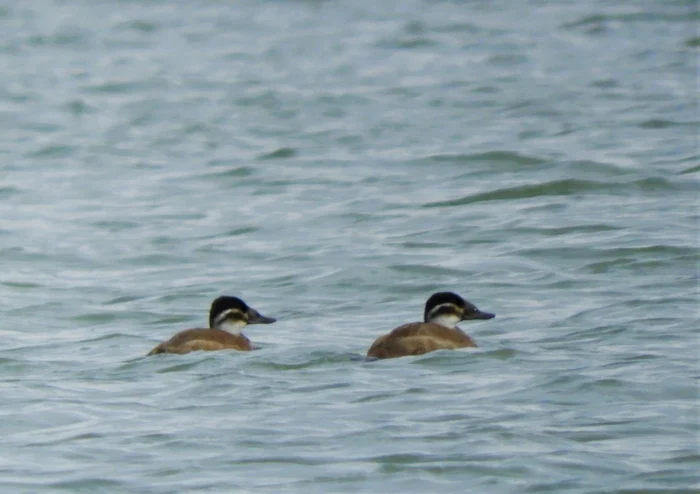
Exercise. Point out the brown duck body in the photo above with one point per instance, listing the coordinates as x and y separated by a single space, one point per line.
210 339
418 338
227 317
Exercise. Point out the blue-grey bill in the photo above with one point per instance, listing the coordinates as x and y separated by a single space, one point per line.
260 319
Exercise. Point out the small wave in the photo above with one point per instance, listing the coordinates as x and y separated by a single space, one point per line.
10 191
59 39
517 160
617 265
692 169
646 253
388 395
554 188
563 187
458 27
598 168
125 299
53 151
565 230
313 359
112 336
140 26
113 226
9 365
95 318
20 284
179 367
281 153
423 270
234 232
407 43
234 172
693 42
126 87
90 485
319 387
598 19
660 123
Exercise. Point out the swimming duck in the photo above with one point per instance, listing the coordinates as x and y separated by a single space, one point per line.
227 317
439 330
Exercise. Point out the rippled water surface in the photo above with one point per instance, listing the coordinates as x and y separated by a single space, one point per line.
334 163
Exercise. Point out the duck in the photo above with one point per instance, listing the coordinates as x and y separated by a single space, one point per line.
443 310
227 317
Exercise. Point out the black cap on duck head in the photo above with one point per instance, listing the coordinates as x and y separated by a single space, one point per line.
233 310
448 308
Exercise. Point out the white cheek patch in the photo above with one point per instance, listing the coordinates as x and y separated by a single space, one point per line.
221 317
447 320
225 322
232 325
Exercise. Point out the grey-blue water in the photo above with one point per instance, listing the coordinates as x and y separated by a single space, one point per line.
333 164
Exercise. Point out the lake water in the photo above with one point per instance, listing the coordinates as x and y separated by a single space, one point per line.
333 164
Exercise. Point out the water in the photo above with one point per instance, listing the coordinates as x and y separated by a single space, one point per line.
334 163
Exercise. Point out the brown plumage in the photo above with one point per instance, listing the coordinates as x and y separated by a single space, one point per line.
227 316
438 331
191 340
417 338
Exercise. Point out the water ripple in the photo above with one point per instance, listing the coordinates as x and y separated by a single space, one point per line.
334 163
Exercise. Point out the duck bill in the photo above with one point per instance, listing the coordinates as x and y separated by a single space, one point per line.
480 315
257 318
